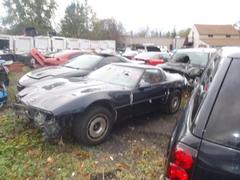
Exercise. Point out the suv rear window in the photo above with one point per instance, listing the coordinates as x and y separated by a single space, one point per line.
224 122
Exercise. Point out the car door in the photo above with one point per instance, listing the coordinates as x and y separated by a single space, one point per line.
149 93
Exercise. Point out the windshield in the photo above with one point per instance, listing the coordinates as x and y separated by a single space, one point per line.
119 75
83 62
205 83
195 58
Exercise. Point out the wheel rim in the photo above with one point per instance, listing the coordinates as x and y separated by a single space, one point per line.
97 127
175 103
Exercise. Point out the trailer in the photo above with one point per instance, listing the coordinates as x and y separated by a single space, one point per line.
22 44
42 43
58 43
72 43
84 44
6 42
107 45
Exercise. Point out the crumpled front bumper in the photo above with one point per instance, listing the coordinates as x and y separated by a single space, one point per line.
43 120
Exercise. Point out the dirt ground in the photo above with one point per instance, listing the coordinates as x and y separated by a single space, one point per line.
149 130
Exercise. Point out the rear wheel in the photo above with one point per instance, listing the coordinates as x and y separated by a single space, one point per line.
93 126
174 102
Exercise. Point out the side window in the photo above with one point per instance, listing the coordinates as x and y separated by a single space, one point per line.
150 77
205 83
108 60
224 123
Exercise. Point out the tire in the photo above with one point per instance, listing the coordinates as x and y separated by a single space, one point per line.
94 126
174 102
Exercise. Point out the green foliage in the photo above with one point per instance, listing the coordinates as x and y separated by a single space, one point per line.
29 13
78 20
184 32
107 29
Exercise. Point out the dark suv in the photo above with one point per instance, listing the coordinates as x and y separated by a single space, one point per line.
205 143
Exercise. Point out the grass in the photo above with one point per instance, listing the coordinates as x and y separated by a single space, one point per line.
25 155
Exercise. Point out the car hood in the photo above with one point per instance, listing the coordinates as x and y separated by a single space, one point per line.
180 67
51 94
53 71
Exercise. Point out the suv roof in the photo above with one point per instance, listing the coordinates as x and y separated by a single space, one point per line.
207 50
231 52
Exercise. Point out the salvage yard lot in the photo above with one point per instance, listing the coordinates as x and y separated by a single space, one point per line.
135 149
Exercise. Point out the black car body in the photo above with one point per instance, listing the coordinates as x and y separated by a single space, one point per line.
76 67
205 144
113 92
189 62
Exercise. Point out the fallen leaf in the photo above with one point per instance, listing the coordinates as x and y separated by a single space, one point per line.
50 160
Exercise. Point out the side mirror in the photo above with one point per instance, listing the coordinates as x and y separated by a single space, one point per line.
142 86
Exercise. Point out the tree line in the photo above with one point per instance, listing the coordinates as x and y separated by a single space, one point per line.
79 21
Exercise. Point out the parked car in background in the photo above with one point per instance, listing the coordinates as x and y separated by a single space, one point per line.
190 63
153 58
76 67
147 48
135 49
205 144
53 58
91 105
129 54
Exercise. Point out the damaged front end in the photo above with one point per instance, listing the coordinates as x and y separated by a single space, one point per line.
50 126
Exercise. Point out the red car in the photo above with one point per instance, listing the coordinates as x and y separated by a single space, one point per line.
153 58
53 59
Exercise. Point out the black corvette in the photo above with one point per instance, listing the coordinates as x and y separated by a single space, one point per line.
76 67
91 105
189 62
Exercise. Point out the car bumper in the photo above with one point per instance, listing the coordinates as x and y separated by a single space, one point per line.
41 119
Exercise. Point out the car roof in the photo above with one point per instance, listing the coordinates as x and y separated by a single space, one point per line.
207 50
231 52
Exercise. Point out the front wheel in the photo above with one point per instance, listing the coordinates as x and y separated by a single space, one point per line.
93 126
174 102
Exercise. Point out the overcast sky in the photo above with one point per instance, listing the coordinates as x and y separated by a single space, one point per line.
161 14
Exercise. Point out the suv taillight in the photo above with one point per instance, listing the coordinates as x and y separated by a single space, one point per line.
181 162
